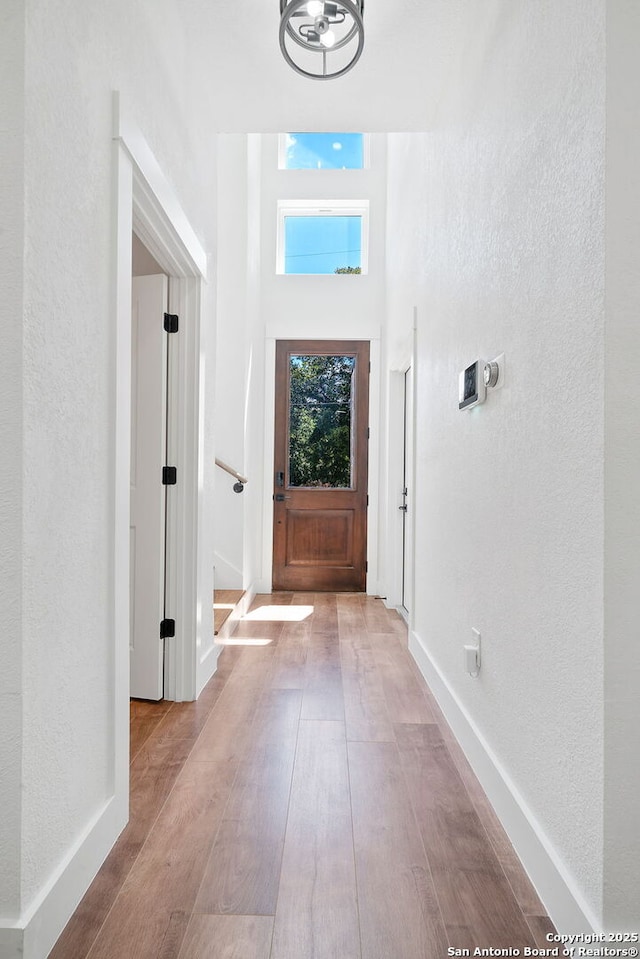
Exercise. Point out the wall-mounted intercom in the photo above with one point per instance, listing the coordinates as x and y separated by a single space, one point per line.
472 386
476 379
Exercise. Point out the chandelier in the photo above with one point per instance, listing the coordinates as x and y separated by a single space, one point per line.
321 39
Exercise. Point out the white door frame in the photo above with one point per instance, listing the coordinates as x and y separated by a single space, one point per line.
146 202
408 552
264 581
394 479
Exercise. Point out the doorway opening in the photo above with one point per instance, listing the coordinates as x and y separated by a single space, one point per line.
146 205
400 500
321 465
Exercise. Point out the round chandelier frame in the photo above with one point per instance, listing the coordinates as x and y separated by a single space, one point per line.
322 27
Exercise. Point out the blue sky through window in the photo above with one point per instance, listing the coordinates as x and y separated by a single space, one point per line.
324 151
321 244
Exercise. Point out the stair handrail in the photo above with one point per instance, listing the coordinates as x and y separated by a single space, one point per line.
242 480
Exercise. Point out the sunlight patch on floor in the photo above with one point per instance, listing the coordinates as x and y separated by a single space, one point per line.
242 641
280 614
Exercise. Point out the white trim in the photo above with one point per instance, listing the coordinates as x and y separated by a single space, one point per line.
39 928
207 667
152 185
393 553
265 581
11 941
350 207
556 888
373 483
393 419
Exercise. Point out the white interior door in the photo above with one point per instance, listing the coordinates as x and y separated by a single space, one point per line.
147 505
407 495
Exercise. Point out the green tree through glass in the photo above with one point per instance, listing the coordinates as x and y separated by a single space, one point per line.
321 395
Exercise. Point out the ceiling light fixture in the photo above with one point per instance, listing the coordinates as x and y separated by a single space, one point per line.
321 39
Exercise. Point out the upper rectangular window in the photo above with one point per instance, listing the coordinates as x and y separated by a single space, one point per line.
329 236
322 151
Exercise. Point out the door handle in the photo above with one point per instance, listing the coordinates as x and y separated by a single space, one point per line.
403 508
279 497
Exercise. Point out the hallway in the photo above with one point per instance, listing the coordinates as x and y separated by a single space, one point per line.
312 804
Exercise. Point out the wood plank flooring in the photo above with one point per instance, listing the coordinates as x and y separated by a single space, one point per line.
312 804
224 603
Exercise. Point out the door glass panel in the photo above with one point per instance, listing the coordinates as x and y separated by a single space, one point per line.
321 396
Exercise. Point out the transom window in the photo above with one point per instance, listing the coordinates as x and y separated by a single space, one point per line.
321 237
322 151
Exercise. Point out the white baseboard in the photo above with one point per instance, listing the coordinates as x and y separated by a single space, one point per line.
35 934
209 662
207 667
11 942
556 888
247 599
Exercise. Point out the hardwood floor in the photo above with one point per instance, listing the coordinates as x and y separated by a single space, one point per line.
224 603
312 804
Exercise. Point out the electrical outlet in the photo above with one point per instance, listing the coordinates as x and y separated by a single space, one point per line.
472 654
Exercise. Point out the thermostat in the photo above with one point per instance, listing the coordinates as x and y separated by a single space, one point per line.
472 386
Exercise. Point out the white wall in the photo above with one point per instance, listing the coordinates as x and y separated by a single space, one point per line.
231 336
622 468
255 368
305 307
496 231
154 55
11 479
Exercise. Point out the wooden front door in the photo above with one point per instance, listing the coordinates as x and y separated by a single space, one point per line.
320 469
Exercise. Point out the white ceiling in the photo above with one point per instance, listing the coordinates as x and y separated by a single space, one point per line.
410 57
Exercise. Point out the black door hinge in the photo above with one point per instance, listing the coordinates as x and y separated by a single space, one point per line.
169 475
368 433
366 567
171 322
367 499
167 628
